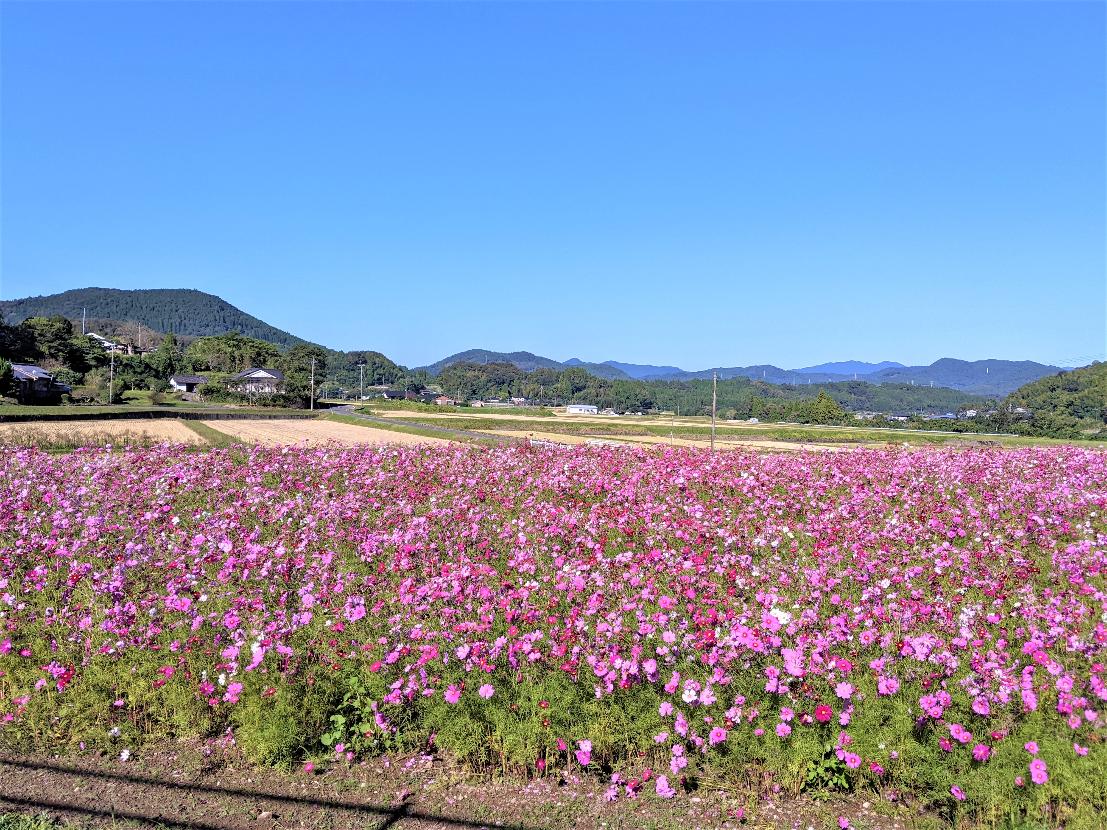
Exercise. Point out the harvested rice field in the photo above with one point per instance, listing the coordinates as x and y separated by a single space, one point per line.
284 432
93 433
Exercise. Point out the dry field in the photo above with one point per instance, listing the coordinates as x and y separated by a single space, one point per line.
656 440
279 432
143 431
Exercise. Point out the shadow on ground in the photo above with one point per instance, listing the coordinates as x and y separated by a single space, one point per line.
102 796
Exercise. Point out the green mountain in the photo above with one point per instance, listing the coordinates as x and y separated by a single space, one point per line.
1067 402
527 361
978 377
183 311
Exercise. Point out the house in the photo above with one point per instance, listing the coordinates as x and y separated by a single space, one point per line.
581 409
33 384
187 383
108 345
255 381
393 394
519 401
444 400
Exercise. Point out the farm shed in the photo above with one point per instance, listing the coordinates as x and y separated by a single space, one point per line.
187 383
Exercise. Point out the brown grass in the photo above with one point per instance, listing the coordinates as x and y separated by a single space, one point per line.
281 432
96 433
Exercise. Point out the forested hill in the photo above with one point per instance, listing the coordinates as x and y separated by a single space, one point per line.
527 361
1067 401
183 311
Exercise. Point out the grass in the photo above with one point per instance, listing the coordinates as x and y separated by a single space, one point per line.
382 405
63 442
774 432
62 412
213 436
17 821
446 433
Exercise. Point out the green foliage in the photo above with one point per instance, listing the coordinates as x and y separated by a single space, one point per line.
7 381
179 311
230 352
1065 404
828 774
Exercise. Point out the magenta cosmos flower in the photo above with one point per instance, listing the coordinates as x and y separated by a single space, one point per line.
1039 773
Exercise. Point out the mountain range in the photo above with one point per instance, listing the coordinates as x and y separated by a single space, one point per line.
196 314
978 377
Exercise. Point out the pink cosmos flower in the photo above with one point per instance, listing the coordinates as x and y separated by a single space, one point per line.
663 788
717 735
844 690
957 792
981 752
452 694
486 691
1031 747
783 730
1038 771
823 713
583 752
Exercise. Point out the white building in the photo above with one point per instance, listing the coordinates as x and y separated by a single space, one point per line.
581 409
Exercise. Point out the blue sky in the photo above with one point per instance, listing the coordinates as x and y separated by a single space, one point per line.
690 184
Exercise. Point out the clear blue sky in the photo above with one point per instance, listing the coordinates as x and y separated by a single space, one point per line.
689 184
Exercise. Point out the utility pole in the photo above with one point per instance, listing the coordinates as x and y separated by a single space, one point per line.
84 313
311 395
111 375
361 366
714 401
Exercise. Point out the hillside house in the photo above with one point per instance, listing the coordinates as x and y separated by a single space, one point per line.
33 384
581 409
187 383
255 381
445 400
108 345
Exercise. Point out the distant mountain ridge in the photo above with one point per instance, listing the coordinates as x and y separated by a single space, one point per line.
183 311
993 378
852 367
193 313
527 361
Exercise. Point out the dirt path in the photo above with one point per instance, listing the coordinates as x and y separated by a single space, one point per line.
144 431
280 432
204 787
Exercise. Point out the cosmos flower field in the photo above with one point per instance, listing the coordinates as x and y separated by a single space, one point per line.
927 625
